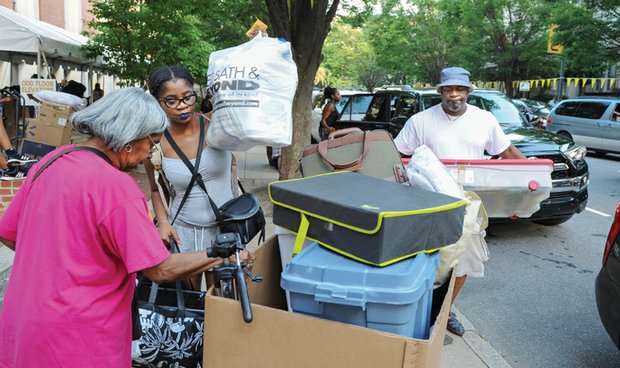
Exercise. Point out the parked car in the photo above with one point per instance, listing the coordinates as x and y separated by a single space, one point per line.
593 122
390 109
318 102
607 284
317 110
535 114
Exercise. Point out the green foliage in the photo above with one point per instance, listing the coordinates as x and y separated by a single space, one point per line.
590 33
135 36
346 54
391 35
504 40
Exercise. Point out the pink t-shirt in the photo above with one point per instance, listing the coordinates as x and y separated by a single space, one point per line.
82 231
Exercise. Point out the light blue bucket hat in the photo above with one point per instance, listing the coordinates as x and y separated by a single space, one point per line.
455 76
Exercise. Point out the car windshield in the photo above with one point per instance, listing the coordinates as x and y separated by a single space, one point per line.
358 106
499 105
430 100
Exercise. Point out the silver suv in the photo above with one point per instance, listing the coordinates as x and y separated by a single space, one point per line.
593 122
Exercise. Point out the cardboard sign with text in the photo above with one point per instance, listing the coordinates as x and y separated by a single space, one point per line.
277 338
30 86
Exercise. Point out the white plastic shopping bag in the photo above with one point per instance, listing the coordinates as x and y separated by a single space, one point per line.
253 86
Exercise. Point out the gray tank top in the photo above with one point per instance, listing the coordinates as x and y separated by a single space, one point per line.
215 168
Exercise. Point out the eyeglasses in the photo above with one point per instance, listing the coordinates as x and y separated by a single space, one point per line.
173 103
154 147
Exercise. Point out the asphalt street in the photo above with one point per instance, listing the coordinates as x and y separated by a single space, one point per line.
536 305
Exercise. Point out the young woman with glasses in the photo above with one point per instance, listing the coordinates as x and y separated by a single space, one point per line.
195 225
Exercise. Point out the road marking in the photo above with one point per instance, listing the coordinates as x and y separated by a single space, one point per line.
597 212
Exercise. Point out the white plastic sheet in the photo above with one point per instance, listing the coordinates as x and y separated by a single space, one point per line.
425 171
253 86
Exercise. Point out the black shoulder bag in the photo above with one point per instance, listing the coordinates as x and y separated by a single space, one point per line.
242 215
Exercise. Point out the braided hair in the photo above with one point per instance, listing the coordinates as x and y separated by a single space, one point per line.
163 74
328 92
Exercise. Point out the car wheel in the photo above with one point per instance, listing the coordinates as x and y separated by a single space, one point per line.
272 161
566 134
553 221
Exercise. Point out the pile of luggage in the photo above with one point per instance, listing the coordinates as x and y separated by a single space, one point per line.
373 255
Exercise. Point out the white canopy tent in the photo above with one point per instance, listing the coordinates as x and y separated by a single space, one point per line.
33 41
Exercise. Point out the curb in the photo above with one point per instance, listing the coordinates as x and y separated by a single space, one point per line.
479 345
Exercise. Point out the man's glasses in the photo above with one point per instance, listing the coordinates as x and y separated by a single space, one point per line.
173 103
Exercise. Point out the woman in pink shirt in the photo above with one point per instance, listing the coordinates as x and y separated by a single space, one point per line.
80 232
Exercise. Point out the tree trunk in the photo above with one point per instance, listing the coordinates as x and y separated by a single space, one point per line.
305 24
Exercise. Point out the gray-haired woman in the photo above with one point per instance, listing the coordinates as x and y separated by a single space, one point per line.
81 230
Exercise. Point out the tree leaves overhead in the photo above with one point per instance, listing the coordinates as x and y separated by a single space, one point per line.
590 33
135 36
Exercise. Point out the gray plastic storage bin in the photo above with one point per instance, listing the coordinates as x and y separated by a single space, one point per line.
395 298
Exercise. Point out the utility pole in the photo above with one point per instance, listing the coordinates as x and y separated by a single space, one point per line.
561 79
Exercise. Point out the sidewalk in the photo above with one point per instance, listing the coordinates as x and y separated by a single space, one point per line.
469 351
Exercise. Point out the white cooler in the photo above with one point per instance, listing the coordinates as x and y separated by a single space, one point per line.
507 188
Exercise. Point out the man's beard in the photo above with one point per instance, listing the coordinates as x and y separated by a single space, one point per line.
454 106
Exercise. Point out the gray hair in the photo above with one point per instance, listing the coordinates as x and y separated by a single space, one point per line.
120 117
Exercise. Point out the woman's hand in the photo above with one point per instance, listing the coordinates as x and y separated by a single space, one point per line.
245 256
166 231
331 129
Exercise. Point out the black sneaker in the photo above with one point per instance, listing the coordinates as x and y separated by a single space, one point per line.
12 174
19 160
455 326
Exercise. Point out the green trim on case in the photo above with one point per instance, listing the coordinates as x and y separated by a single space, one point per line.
381 215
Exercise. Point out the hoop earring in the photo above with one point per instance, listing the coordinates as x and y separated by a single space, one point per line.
128 148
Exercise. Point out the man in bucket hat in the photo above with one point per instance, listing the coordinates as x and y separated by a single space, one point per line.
456 130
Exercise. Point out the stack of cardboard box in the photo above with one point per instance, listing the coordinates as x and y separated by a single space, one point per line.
50 130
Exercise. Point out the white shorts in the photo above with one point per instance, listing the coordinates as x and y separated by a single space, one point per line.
476 252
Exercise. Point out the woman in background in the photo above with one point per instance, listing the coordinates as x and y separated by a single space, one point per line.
330 113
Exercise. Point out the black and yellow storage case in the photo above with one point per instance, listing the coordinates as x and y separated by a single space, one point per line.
371 220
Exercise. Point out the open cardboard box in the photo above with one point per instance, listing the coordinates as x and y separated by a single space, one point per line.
278 338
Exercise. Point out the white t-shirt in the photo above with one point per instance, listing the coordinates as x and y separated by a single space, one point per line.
464 137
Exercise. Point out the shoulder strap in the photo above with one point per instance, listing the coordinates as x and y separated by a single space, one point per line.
64 152
196 177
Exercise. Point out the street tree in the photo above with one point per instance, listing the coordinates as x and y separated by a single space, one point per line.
390 34
503 40
346 54
590 34
133 36
305 24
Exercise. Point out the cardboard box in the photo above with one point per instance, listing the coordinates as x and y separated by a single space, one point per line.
277 338
54 135
55 114
35 149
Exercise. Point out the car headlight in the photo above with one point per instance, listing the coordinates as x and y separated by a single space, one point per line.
576 153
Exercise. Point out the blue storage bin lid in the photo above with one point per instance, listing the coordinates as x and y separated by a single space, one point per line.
333 278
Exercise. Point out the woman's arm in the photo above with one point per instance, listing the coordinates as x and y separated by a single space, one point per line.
163 222
327 110
9 243
182 265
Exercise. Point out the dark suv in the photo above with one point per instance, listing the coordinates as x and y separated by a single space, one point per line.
390 110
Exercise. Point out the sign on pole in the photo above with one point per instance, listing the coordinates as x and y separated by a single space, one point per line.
551 47
524 86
